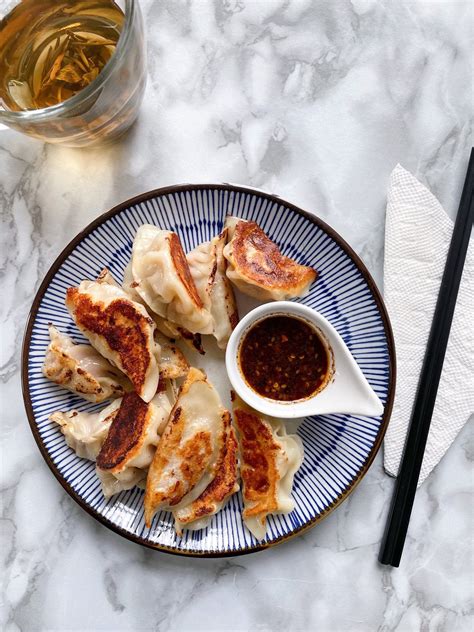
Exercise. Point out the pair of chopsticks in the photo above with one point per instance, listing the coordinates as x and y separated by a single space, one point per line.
407 480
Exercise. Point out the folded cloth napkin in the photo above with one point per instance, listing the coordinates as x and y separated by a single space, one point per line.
417 236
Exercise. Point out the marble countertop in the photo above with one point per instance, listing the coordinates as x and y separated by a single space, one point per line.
315 101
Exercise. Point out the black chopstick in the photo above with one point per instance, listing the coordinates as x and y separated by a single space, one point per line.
407 480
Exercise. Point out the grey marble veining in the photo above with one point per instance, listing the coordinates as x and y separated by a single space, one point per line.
314 101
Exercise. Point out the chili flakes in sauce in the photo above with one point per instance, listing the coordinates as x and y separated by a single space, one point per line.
283 358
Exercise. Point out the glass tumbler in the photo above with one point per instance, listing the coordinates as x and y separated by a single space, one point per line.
103 110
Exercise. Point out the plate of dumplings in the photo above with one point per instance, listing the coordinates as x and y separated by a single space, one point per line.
125 383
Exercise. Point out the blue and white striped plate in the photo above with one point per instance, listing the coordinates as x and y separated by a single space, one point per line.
338 448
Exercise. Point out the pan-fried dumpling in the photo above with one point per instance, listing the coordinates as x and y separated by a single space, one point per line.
257 267
172 363
120 329
162 278
81 369
186 458
198 514
86 432
131 442
208 268
269 459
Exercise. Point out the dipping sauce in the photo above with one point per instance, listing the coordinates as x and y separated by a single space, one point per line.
284 358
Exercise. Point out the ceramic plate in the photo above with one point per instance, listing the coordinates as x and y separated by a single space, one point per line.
338 448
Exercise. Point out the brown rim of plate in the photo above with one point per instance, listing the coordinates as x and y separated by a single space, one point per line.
218 187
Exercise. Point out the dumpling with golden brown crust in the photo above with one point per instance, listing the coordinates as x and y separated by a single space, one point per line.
186 457
198 513
131 441
162 278
120 329
172 363
208 268
269 460
81 369
258 268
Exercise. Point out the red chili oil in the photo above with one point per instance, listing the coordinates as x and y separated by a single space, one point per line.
284 358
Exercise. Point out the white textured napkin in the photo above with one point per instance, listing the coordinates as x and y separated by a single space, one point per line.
417 236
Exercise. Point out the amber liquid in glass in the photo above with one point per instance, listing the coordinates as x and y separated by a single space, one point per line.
52 49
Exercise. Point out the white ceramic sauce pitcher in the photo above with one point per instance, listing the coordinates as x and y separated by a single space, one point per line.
346 392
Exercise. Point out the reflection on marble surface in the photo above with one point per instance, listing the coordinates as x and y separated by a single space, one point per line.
314 101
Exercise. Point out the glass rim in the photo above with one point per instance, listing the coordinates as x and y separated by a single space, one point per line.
52 111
